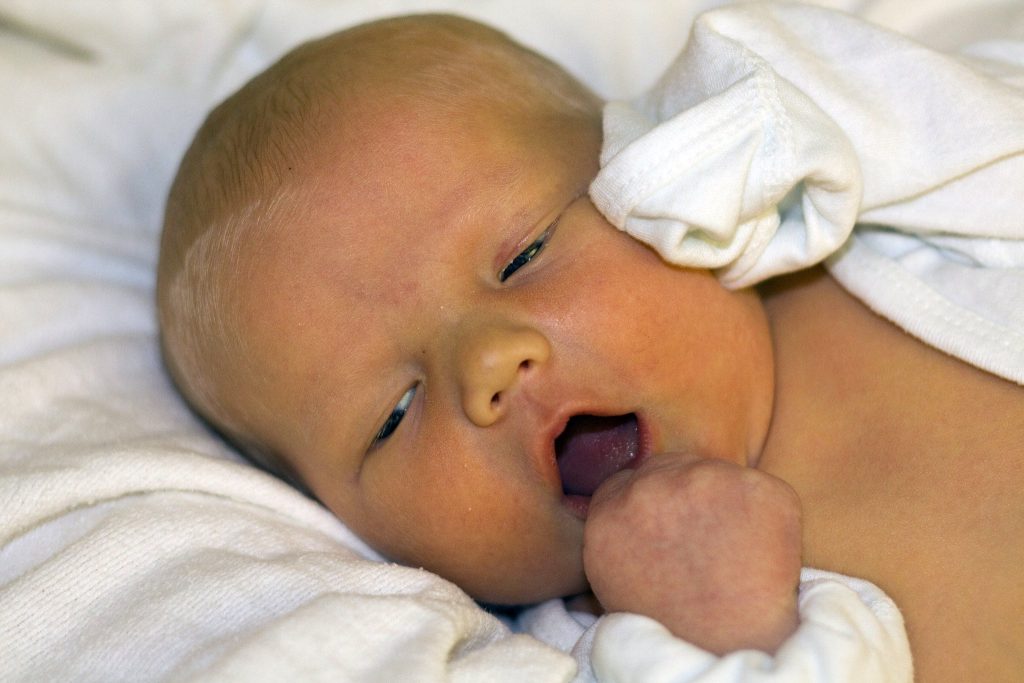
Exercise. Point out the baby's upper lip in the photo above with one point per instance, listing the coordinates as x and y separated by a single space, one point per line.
544 447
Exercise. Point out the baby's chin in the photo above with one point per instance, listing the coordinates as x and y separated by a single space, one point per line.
528 591
522 583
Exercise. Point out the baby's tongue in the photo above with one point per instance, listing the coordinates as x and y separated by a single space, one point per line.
591 449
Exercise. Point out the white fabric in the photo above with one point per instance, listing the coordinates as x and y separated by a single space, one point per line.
963 296
780 126
133 544
849 631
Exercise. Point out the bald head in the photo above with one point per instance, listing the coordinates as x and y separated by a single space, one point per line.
238 174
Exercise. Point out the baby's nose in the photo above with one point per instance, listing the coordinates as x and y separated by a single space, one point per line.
492 359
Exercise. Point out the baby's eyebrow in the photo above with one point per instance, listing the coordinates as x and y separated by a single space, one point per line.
456 204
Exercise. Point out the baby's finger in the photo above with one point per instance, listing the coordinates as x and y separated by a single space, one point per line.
610 490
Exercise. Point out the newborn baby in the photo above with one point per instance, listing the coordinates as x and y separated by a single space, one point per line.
381 276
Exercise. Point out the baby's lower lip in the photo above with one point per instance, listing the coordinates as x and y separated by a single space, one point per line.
578 505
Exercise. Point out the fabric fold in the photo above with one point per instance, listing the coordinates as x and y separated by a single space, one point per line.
780 126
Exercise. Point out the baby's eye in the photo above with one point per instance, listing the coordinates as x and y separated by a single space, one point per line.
526 255
391 424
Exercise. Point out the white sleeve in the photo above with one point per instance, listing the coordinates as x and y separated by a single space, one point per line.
850 631
781 125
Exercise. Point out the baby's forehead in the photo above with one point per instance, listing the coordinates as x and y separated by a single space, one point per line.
367 230
380 154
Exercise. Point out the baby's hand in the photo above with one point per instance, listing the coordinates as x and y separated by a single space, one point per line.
708 548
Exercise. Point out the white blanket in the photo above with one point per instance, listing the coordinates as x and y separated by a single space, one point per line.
133 544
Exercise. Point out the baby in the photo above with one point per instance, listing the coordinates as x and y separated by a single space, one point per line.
381 276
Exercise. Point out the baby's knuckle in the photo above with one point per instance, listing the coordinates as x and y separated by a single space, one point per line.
711 478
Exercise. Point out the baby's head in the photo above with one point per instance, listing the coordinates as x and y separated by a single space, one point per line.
381 276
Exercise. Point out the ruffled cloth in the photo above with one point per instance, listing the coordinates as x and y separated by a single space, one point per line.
781 126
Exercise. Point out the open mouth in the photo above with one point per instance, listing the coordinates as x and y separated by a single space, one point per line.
592 448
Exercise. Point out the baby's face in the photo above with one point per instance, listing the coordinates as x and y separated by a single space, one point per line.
443 302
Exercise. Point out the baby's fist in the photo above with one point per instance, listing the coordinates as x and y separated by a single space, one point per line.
707 547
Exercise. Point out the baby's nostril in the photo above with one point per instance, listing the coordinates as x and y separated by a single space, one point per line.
495 400
525 365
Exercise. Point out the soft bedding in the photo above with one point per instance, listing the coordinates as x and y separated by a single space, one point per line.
134 545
